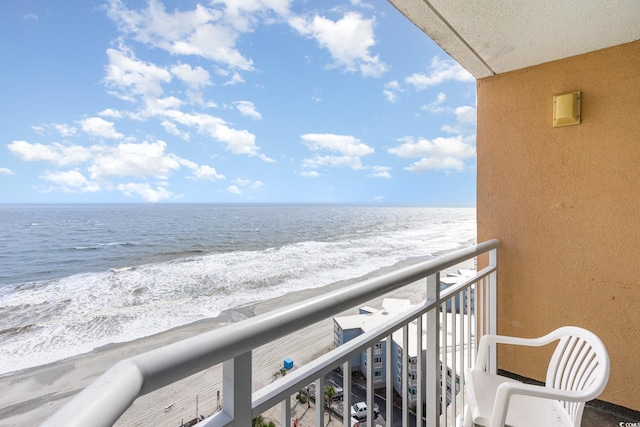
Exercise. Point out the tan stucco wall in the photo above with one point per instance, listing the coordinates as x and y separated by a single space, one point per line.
565 203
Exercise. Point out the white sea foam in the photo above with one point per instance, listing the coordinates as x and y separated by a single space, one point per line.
55 319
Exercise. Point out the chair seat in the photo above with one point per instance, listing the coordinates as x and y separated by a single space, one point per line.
524 411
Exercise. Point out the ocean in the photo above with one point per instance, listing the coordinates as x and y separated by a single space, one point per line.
77 277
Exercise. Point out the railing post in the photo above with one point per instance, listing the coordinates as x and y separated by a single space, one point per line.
432 370
285 412
370 387
390 370
346 393
236 389
405 376
320 401
492 315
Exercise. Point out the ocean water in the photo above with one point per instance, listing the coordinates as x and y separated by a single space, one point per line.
77 277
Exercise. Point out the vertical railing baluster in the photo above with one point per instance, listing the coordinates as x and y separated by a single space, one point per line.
390 369
492 309
455 349
405 374
285 412
346 393
444 378
370 380
319 401
433 347
236 388
419 370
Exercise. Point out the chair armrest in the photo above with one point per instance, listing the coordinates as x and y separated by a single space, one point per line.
506 390
487 340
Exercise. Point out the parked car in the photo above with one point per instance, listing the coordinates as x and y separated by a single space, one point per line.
359 411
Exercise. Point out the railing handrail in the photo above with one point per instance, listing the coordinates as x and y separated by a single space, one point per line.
109 396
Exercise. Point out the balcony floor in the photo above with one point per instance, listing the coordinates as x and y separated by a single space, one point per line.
595 415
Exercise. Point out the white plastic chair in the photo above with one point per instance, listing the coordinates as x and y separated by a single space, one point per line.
578 372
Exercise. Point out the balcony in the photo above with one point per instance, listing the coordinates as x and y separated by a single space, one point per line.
450 336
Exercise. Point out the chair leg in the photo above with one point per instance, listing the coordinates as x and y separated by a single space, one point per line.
467 416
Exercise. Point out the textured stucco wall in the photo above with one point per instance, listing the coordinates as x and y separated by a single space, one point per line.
565 203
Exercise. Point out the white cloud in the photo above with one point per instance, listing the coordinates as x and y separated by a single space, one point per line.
207 173
171 128
310 174
237 141
380 172
465 121
6 171
350 150
137 160
30 17
440 153
391 91
56 153
348 40
64 129
145 191
108 112
71 181
345 144
130 77
436 105
196 78
234 80
255 185
193 32
439 72
97 126
234 189
248 109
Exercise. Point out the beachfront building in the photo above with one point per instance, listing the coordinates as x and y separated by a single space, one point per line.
349 327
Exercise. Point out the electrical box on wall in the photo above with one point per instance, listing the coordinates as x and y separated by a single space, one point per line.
566 109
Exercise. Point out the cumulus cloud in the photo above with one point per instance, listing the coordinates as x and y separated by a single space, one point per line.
108 112
195 78
349 149
348 40
233 189
6 171
70 181
440 153
56 153
391 91
209 32
439 72
380 172
436 105
248 109
97 126
310 174
465 121
97 167
145 191
133 160
64 129
129 78
207 173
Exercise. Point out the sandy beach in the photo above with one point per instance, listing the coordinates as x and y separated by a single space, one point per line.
30 396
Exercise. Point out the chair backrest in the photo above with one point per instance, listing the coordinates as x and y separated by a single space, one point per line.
580 364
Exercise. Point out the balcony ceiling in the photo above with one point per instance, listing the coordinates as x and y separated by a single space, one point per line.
490 37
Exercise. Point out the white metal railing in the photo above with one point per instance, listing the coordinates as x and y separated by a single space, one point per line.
452 321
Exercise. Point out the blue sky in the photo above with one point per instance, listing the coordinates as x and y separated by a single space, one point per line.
264 101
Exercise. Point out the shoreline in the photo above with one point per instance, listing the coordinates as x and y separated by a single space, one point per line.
38 392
